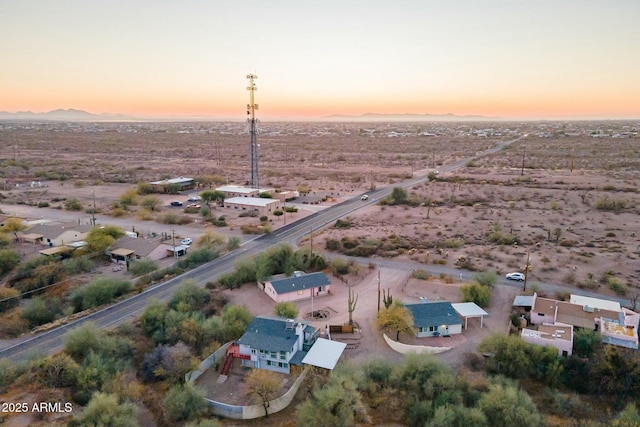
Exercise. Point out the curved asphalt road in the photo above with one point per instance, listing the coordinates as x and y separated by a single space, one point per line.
52 341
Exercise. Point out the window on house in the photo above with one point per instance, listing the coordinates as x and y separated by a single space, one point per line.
283 355
273 355
299 292
432 328
253 351
541 314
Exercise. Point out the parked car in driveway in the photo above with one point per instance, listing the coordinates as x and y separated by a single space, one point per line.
194 199
186 242
176 203
515 276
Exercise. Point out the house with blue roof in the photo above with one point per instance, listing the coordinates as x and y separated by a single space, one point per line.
275 343
432 319
297 287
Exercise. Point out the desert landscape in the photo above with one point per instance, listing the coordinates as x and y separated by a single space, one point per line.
565 196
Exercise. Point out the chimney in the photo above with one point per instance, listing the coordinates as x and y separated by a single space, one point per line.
300 334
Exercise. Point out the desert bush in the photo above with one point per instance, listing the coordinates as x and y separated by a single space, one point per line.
342 223
188 296
290 209
349 243
171 218
220 222
332 245
478 294
98 292
245 214
129 198
77 265
144 215
151 203
264 218
420 274
142 266
118 212
144 188
362 251
609 204
453 243
198 257
73 204
184 402
616 286
233 243
486 278
339 266
8 260
37 311
254 229
43 204
9 298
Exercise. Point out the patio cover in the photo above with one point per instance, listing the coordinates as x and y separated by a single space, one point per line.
54 250
32 237
469 309
122 252
324 353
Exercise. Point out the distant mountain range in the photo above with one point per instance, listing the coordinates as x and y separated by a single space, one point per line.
61 114
72 115
406 117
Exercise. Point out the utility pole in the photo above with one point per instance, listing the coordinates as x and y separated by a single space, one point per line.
93 211
173 240
254 181
524 149
526 270
311 244
378 291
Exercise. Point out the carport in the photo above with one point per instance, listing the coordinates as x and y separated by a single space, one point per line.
324 353
469 309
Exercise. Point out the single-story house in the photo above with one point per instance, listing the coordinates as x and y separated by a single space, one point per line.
164 185
275 343
259 205
129 248
617 325
285 196
558 335
432 319
231 191
297 287
55 234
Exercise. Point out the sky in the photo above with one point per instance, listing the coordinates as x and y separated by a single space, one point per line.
512 59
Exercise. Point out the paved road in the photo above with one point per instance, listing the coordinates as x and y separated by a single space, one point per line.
52 340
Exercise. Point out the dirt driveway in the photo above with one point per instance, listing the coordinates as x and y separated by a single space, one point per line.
367 342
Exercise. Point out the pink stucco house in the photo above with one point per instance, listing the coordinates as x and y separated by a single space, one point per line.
297 287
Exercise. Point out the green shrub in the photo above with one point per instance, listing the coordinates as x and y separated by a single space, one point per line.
420 274
73 205
478 294
37 311
486 278
332 245
142 266
339 266
98 292
343 223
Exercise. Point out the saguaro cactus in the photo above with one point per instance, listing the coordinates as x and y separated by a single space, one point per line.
351 302
387 298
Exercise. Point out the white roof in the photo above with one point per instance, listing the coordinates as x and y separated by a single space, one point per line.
324 353
172 181
523 301
602 304
251 201
236 189
469 309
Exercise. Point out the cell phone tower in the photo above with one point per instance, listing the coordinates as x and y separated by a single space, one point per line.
254 181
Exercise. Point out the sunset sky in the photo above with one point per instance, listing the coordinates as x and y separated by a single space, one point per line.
499 58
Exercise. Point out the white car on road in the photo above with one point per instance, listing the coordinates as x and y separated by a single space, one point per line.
515 276
186 242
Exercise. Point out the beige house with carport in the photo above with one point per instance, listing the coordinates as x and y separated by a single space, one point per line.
55 234
131 249
258 205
